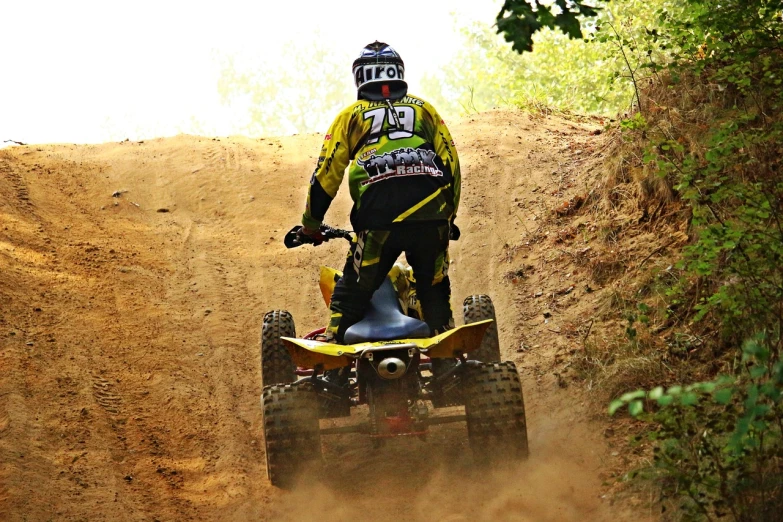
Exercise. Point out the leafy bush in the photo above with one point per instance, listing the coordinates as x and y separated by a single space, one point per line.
720 443
728 173
712 131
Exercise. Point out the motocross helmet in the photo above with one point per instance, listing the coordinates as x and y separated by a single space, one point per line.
379 73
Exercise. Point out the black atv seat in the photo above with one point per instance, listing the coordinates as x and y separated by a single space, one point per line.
384 320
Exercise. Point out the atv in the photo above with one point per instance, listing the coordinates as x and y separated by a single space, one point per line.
391 363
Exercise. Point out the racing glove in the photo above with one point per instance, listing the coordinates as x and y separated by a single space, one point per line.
309 236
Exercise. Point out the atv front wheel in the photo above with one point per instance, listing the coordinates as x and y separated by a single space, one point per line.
277 367
478 308
495 412
291 432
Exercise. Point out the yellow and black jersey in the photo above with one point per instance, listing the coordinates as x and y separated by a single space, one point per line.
403 165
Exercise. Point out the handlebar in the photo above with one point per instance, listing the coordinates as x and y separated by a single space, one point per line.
293 239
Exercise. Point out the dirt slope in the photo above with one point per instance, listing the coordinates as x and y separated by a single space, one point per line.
129 372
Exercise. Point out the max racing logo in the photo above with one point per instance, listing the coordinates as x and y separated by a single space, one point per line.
398 163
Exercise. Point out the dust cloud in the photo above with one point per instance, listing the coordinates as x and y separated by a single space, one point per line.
408 480
543 489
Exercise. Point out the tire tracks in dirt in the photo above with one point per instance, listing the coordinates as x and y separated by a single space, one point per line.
210 285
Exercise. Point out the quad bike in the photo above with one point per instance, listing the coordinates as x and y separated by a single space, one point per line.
387 364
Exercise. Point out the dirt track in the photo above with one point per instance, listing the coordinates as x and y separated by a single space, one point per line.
129 372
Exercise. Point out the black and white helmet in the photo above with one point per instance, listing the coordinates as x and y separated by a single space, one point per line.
379 73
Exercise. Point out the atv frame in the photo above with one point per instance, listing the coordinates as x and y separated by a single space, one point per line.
403 380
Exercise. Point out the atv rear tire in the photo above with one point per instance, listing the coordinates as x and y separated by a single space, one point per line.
478 308
495 412
277 367
291 432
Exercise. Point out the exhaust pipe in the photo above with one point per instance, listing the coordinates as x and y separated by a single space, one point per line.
391 368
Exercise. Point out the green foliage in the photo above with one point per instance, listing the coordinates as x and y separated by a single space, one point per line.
641 315
719 444
634 123
518 20
712 129
728 174
563 73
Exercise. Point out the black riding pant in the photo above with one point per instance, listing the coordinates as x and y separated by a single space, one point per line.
372 255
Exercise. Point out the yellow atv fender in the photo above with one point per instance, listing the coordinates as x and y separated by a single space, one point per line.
327 356
326 282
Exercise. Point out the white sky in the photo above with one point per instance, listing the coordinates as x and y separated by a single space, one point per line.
92 71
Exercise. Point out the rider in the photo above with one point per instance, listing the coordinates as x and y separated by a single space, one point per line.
405 183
